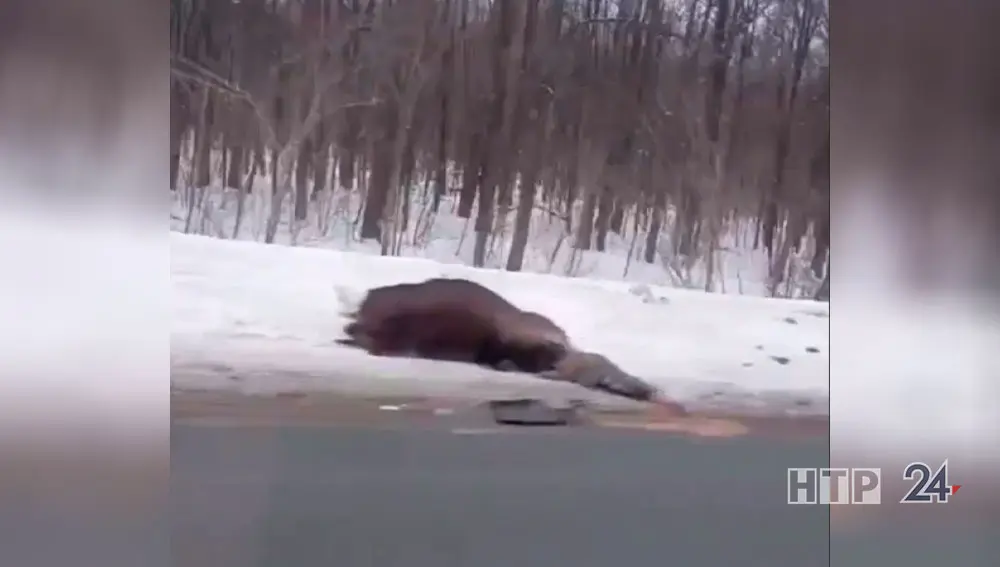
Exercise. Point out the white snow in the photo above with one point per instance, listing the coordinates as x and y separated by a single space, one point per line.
445 237
263 319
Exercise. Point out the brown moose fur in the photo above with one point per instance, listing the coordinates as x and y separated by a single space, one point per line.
456 320
462 321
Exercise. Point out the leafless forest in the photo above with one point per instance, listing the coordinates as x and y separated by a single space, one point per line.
681 116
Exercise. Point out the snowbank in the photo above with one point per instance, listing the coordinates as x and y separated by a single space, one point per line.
739 267
258 318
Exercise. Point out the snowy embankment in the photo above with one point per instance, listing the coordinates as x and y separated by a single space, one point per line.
263 319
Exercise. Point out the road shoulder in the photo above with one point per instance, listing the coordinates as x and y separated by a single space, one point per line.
329 409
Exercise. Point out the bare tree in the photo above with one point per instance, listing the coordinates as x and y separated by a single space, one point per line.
681 121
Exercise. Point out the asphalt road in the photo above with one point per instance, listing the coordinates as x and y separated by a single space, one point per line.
334 480
362 495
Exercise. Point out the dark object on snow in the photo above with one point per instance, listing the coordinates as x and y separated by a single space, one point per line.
461 321
597 372
455 320
527 411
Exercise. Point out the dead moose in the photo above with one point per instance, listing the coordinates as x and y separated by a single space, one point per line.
462 321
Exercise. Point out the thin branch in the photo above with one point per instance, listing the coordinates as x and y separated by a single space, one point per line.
191 71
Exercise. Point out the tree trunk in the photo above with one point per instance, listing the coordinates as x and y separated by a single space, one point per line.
406 194
441 167
822 229
499 125
237 166
241 200
178 126
406 162
274 172
381 176
805 28
197 155
604 206
302 181
617 221
282 180
203 144
378 191
260 158
525 208
321 164
345 171
686 224
655 224
585 231
320 160
717 72
444 95
392 216
572 186
484 215
823 293
542 125
522 225
440 185
470 179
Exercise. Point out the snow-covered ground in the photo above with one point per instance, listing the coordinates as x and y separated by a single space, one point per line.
332 223
263 319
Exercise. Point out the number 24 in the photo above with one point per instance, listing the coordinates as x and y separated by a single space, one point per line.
927 487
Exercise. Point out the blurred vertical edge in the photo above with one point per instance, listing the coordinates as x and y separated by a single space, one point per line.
914 373
84 361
